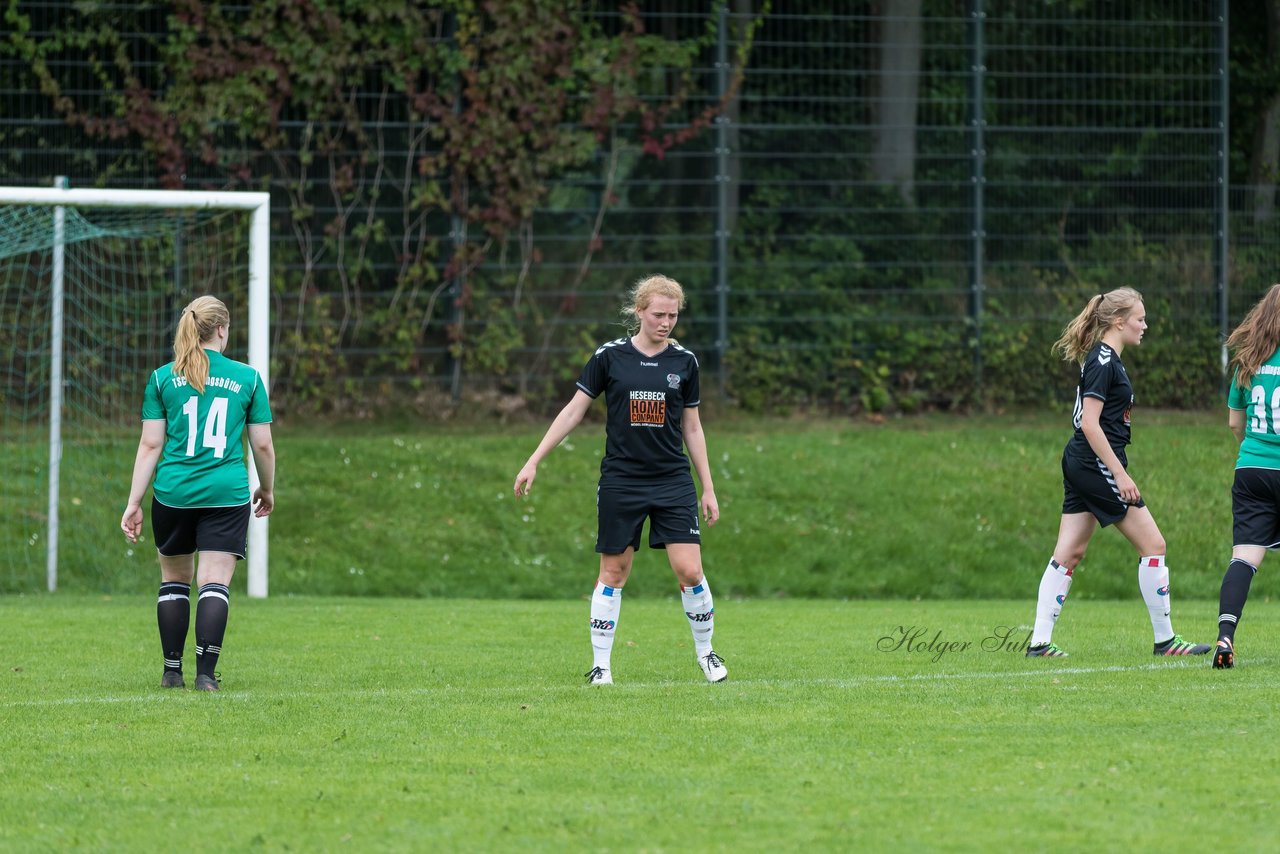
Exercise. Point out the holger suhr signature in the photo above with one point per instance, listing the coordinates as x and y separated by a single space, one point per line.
921 639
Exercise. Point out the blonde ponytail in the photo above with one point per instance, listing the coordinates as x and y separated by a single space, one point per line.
197 326
1087 328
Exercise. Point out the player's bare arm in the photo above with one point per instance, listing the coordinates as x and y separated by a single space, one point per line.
1092 429
695 441
569 418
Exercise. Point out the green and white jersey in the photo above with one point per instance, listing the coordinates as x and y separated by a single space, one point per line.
203 460
1261 404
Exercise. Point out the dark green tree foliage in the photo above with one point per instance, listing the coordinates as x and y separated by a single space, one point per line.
463 178
414 141
1097 175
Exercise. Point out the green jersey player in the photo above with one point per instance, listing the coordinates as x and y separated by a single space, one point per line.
1253 414
195 412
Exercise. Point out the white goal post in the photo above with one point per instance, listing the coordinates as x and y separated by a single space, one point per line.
258 206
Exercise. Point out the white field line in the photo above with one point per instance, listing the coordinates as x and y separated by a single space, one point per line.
167 695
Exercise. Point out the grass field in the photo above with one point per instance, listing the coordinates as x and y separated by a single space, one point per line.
930 507
393 724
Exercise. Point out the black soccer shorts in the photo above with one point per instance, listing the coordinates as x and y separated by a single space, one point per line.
671 506
186 530
1255 508
1088 486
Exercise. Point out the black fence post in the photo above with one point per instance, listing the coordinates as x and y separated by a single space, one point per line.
977 160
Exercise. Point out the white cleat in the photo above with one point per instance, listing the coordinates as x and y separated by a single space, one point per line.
599 676
713 667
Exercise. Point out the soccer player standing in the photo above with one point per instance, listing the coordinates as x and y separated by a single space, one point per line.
194 412
1253 414
651 390
1097 487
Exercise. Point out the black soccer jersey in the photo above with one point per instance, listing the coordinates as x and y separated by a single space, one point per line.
1103 376
646 397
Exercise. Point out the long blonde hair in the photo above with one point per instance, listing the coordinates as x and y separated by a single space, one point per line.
643 293
1255 340
199 323
1088 327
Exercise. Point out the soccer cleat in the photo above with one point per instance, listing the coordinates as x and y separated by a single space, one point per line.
1224 657
205 682
599 676
1177 646
1045 650
713 667
172 679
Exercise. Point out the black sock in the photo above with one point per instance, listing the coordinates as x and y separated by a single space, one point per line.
1235 590
173 614
211 625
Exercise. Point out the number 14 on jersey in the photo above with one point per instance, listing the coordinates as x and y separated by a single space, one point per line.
215 425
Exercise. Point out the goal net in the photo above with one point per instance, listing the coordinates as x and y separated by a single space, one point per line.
91 286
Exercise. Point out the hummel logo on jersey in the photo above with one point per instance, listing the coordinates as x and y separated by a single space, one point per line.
1104 355
644 364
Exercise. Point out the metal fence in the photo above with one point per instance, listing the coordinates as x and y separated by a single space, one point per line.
902 208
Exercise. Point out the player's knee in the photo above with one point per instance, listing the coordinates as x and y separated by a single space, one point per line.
614 579
1069 557
613 572
688 576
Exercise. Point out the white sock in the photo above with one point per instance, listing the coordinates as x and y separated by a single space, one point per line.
605 604
701 613
1153 581
1054 585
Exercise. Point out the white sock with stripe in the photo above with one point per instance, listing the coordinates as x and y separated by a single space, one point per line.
606 602
1153 581
1054 585
701 613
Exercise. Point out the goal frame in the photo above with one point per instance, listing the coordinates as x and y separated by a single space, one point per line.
259 206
